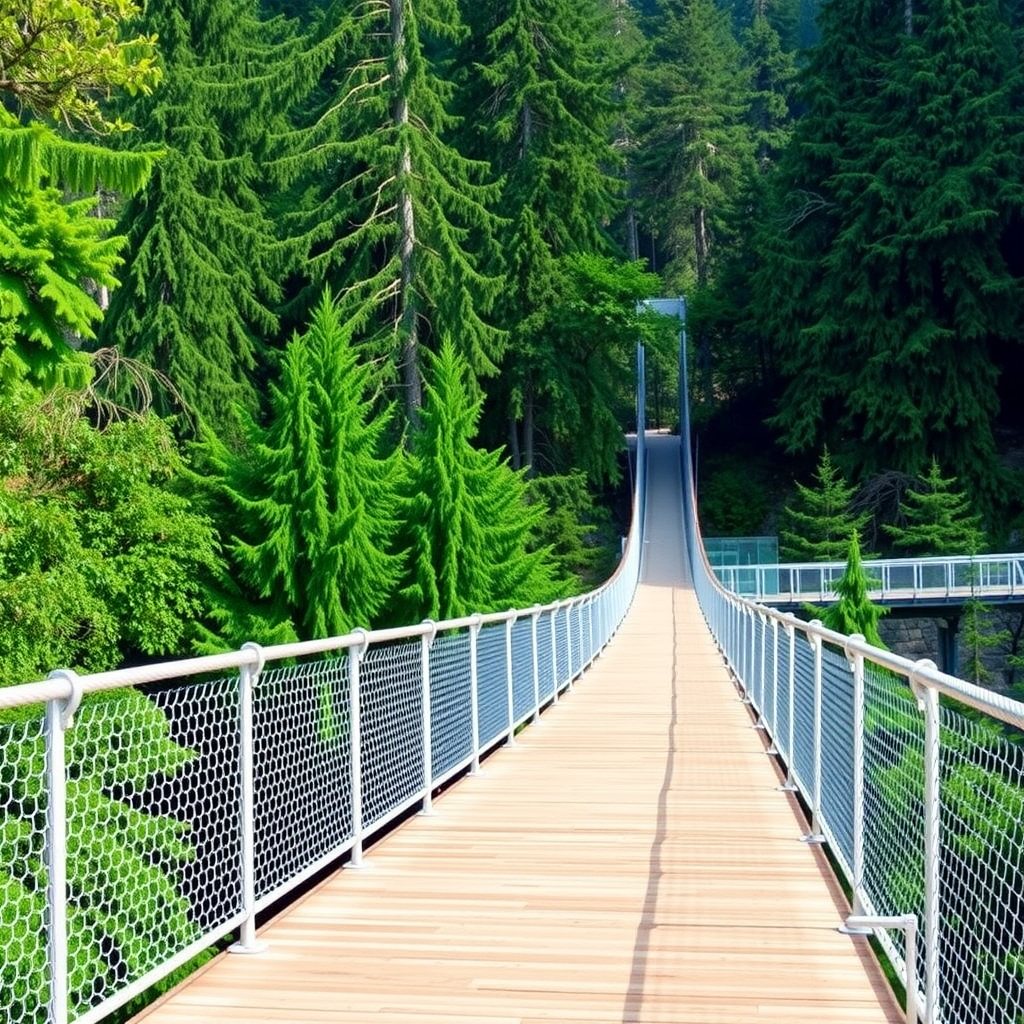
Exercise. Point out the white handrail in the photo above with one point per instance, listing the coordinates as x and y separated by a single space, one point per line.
934 578
940 849
250 730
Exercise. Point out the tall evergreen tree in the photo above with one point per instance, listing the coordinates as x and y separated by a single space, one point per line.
720 315
890 285
854 611
820 523
543 92
312 498
938 519
203 272
594 323
696 145
394 214
468 524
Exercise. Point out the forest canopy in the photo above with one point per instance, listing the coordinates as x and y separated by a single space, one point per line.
290 227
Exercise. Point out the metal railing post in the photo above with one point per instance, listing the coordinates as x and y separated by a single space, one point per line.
790 786
579 633
772 746
509 623
746 677
355 661
248 675
761 620
554 653
928 702
568 639
534 616
815 834
426 642
856 662
474 691
59 717
908 923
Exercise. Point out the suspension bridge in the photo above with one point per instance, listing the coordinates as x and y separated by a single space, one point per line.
630 858
632 806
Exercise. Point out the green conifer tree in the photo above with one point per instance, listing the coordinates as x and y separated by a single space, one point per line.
820 521
203 268
697 148
393 215
312 499
468 524
889 288
544 80
938 519
54 68
854 611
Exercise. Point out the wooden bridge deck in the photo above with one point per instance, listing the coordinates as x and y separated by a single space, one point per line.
629 860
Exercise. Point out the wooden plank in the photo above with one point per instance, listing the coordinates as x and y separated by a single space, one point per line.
630 860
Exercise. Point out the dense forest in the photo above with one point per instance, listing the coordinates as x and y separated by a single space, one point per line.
316 315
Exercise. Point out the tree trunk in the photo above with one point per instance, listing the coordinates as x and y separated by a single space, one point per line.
525 131
701 254
513 443
528 430
632 236
408 322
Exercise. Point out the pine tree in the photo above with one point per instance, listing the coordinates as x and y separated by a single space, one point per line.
820 523
979 640
697 151
938 519
542 89
587 387
312 498
468 524
890 288
773 78
203 270
853 612
393 214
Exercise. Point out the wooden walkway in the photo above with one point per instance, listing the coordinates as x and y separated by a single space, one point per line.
629 860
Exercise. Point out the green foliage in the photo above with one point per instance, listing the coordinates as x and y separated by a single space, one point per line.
99 559
583 377
979 638
309 499
734 497
49 246
468 524
696 147
886 278
853 612
57 57
938 519
545 73
203 263
820 522
389 212
125 915
578 531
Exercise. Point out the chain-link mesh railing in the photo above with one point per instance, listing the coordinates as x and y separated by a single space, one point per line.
922 805
302 770
451 704
187 805
148 814
25 973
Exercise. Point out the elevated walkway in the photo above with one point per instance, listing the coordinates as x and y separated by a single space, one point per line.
629 859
